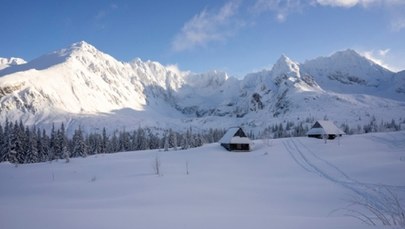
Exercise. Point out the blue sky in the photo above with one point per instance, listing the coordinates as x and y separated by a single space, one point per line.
236 36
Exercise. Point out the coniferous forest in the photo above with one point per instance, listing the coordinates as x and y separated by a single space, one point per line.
20 144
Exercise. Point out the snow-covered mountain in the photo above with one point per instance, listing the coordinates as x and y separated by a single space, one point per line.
358 74
82 86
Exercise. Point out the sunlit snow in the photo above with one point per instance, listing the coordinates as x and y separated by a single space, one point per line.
283 183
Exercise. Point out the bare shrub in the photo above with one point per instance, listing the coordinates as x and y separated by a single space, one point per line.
187 170
378 206
156 165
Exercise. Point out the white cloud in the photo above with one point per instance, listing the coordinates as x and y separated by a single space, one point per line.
397 16
383 52
380 57
394 9
215 25
398 24
281 8
362 3
338 3
207 26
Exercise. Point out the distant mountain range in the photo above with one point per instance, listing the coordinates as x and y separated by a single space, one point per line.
82 86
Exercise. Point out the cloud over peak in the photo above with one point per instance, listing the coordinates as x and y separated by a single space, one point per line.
207 26
220 24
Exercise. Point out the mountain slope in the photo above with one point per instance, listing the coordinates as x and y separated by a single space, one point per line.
82 86
81 80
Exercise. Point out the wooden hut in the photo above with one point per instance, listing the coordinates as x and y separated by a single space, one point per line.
235 139
324 129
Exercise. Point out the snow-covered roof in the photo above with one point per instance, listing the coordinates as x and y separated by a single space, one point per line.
324 127
230 137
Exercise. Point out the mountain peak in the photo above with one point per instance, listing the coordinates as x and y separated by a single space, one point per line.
283 59
349 54
78 47
348 51
284 65
82 45
82 49
346 60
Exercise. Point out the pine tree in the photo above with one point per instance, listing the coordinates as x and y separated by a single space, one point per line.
6 145
141 139
52 144
79 146
2 138
200 140
17 141
11 144
95 143
166 142
185 141
45 147
175 142
190 139
153 140
40 147
114 144
23 135
172 136
210 136
124 141
32 154
62 143
104 142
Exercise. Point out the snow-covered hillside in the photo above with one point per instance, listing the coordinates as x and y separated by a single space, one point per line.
283 183
82 86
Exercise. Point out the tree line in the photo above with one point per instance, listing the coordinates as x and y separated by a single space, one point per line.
21 144
300 128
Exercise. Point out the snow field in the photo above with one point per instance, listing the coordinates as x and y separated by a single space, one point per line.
293 183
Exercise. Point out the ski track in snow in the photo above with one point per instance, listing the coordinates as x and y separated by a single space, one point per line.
310 162
392 140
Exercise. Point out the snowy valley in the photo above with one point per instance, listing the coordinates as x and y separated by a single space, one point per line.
283 183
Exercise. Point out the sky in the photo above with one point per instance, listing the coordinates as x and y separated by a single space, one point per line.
235 36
